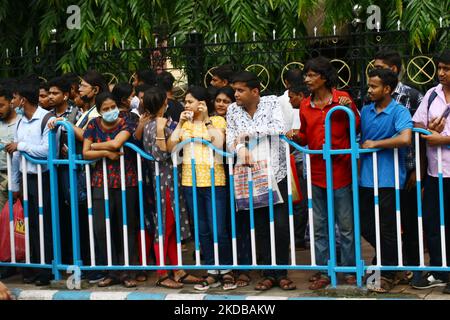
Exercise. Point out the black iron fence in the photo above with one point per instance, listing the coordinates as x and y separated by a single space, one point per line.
192 61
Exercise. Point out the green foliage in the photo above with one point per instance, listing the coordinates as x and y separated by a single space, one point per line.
27 24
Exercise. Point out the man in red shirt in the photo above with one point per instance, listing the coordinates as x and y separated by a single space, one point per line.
320 78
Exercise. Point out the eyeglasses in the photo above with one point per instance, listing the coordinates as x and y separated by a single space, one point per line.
311 75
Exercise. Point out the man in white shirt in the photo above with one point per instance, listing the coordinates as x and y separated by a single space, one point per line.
293 77
249 117
297 92
31 137
8 124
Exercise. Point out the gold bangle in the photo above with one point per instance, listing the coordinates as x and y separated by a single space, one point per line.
158 138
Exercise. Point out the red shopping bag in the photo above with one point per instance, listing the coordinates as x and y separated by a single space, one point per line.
297 195
19 232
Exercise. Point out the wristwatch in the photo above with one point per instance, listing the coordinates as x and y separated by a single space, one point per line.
208 123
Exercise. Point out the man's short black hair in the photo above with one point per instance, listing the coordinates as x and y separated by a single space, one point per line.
44 85
224 72
62 83
294 76
387 76
29 90
322 66
165 80
72 78
298 88
443 57
6 91
390 57
249 78
147 76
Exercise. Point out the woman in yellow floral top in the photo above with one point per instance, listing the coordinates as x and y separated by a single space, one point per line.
195 122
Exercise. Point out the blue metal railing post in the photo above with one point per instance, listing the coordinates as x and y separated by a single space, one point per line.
73 183
327 147
54 202
330 193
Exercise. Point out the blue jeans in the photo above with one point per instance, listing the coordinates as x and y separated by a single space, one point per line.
343 212
205 222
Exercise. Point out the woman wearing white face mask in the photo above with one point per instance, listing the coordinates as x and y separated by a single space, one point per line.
104 136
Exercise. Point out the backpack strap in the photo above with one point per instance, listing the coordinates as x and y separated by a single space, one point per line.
73 115
86 117
431 98
45 120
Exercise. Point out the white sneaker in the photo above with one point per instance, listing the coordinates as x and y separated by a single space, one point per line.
427 282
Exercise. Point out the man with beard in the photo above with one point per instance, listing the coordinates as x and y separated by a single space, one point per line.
59 90
8 125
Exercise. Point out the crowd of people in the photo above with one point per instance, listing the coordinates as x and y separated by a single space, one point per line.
230 115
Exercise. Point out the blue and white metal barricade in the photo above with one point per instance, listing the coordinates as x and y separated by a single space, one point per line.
332 268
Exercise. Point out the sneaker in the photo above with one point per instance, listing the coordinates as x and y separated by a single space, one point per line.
447 289
428 281
96 277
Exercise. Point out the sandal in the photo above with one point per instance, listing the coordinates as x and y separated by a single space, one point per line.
189 279
316 276
228 281
211 281
405 277
384 286
168 283
243 280
265 284
108 281
320 283
286 284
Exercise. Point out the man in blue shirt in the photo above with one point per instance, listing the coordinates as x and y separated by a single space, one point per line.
31 137
411 99
387 125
